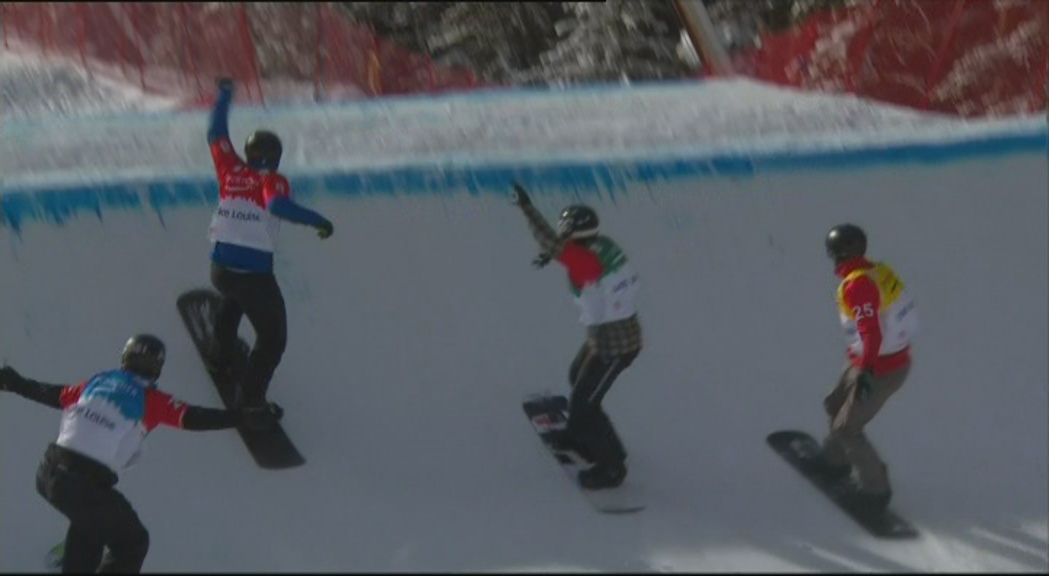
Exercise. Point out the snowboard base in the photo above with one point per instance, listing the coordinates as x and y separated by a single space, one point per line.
794 447
271 449
547 416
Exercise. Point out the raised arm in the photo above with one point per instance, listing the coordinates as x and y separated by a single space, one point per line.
550 244
218 127
51 395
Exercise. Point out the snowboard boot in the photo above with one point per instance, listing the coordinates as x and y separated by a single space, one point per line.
601 476
224 370
559 441
262 417
819 465
566 449
868 502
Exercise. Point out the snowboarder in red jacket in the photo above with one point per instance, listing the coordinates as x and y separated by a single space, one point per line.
879 318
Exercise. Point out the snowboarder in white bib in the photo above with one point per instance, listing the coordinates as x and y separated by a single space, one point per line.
603 284
253 200
105 422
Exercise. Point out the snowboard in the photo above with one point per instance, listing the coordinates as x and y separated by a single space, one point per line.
547 414
794 446
271 449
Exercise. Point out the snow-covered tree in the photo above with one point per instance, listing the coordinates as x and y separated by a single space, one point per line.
742 21
616 40
404 23
495 39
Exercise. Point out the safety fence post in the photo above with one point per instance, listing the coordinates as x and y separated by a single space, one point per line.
249 46
318 60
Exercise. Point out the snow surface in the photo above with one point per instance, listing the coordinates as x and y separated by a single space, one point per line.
416 329
32 86
35 86
483 127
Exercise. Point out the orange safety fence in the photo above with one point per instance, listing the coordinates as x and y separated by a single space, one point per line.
963 57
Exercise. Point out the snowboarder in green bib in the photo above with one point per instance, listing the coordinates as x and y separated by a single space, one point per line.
603 284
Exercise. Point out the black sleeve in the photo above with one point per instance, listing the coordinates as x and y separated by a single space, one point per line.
549 242
200 418
47 394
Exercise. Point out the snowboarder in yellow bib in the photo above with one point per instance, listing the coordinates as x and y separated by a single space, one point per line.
879 318
603 284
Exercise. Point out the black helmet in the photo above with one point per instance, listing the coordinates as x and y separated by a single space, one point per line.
144 355
846 241
263 150
577 222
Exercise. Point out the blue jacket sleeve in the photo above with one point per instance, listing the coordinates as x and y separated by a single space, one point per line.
219 126
284 208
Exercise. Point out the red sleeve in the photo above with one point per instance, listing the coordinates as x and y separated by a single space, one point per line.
224 157
862 298
583 265
162 408
70 395
274 185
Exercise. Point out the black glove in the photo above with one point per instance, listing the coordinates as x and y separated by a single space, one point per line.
541 260
325 230
9 377
863 384
519 197
224 84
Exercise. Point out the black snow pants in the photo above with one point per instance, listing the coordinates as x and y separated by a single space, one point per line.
105 534
258 297
589 428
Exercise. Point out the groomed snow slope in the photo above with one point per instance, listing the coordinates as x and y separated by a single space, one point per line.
415 330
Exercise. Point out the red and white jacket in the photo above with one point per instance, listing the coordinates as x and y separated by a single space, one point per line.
877 313
242 218
107 417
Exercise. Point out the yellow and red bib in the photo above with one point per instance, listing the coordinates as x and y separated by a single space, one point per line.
897 317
